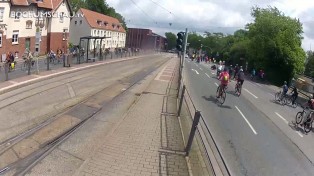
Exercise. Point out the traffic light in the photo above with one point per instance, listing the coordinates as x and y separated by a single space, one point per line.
180 41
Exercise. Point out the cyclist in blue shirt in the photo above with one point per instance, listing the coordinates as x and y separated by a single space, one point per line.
285 89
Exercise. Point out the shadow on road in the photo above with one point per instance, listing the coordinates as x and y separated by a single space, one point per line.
214 100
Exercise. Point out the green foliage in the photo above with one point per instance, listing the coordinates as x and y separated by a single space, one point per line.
309 67
275 44
171 40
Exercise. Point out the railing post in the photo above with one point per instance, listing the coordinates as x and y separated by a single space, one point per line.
197 117
6 71
181 100
29 66
48 61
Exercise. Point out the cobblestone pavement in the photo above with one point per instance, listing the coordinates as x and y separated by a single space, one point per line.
148 140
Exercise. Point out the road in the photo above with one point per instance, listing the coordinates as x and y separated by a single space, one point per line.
253 133
28 106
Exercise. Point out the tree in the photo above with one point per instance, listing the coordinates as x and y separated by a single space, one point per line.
309 67
275 44
77 4
171 40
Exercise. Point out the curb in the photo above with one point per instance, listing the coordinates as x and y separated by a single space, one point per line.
53 75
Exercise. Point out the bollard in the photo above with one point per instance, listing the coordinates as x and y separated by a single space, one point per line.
181 100
29 66
121 54
48 61
197 117
111 55
6 71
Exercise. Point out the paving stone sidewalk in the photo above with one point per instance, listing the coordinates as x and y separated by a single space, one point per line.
148 141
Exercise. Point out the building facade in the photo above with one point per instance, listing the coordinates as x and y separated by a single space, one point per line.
26 24
90 23
145 39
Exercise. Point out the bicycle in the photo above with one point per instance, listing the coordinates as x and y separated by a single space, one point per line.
221 94
308 123
24 66
288 100
238 88
280 97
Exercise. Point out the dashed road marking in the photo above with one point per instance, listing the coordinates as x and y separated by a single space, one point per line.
250 93
201 69
286 121
195 71
71 91
298 132
207 75
216 84
246 121
271 94
213 73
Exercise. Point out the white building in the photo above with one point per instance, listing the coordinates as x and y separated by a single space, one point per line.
27 24
90 23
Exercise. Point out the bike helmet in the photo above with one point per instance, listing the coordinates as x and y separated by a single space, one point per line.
285 82
241 70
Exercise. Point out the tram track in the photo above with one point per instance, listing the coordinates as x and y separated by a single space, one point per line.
23 165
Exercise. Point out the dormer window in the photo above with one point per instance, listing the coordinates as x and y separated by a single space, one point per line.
105 23
99 22
118 26
113 25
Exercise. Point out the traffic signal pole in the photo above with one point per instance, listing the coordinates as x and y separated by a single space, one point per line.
184 45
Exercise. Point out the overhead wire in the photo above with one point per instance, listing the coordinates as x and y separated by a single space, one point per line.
144 12
162 7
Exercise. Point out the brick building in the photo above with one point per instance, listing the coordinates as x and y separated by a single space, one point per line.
38 25
145 39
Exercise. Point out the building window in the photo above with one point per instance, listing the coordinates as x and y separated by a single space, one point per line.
97 33
81 21
65 31
75 22
0 40
29 24
99 22
61 17
1 13
15 37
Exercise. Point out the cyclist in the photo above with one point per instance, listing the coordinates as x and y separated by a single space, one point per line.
309 107
224 80
230 70
294 94
236 70
284 90
240 76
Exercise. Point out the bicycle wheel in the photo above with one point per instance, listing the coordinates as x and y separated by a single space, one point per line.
223 97
284 101
308 125
217 92
294 105
289 100
239 90
236 89
277 96
299 117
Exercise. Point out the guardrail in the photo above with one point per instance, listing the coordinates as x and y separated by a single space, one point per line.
199 133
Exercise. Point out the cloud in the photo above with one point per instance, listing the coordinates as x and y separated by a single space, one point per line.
202 15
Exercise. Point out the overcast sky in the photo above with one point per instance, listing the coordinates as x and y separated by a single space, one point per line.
209 15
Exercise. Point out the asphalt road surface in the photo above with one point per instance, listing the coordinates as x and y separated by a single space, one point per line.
253 132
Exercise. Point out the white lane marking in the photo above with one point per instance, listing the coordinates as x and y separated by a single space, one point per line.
216 84
250 93
207 75
195 71
201 69
213 73
258 85
271 94
247 121
286 121
298 132
71 91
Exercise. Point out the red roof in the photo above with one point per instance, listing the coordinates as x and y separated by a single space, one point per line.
20 2
47 4
98 20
